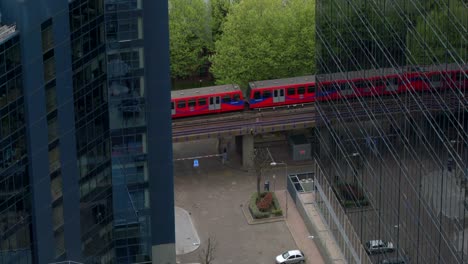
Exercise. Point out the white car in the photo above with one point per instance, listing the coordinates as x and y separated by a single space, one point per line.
290 256
378 246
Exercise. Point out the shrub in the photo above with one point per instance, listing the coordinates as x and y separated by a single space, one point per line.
265 203
351 192
254 210
277 212
276 204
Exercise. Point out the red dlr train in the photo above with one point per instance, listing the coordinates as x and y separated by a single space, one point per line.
306 89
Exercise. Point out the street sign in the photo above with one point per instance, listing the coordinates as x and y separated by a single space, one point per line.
195 163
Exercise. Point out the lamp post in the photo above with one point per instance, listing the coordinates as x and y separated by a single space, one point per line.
274 181
273 164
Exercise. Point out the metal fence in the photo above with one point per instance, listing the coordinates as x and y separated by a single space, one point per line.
335 217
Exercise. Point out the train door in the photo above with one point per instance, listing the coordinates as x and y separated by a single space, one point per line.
215 103
278 95
460 80
436 81
172 108
392 84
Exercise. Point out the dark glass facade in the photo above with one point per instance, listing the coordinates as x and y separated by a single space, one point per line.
74 176
92 129
15 192
128 132
404 153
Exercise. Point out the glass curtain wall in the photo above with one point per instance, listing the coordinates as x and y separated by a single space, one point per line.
392 121
15 192
92 129
126 89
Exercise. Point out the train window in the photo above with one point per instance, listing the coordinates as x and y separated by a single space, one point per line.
192 103
326 87
181 104
360 84
226 99
202 101
392 81
435 78
311 89
291 91
172 105
266 94
236 98
378 83
257 95
301 90
211 101
282 92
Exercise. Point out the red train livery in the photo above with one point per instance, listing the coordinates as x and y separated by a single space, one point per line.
289 91
299 90
206 100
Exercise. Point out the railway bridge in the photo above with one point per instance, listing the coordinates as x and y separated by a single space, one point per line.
243 126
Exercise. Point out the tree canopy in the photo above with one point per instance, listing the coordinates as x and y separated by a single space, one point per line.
265 39
190 36
444 31
219 11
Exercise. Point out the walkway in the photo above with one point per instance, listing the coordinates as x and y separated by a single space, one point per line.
187 239
318 248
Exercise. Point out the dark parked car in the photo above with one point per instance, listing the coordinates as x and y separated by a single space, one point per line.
379 247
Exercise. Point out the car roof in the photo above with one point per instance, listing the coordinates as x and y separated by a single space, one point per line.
294 252
376 242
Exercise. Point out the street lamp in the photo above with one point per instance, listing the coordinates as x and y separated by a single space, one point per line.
273 164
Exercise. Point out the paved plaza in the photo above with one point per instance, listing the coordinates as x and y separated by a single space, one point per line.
214 193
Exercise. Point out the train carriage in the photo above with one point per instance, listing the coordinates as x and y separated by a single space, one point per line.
289 91
444 76
206 100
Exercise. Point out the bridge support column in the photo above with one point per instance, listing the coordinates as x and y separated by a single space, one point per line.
247 151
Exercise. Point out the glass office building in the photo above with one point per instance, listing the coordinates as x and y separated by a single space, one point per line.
15 194
397 155
75 184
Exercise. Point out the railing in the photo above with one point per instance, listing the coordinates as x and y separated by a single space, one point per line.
335 217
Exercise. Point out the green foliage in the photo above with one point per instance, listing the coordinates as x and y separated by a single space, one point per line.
276 203
253 208
275 208
190 36
277 212
219 12
265 39
444 30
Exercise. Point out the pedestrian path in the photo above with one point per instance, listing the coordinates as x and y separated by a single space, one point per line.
318 248
187 239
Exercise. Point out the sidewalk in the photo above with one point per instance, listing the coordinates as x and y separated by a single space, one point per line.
306 241
187 239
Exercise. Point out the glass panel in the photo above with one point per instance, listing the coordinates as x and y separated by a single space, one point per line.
202 101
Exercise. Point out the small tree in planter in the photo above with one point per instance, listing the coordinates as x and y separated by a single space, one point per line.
265 202
261 162
206 255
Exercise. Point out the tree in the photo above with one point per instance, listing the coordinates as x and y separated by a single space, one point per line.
440 36
190 36
219 12
261 163
265 39
206 255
